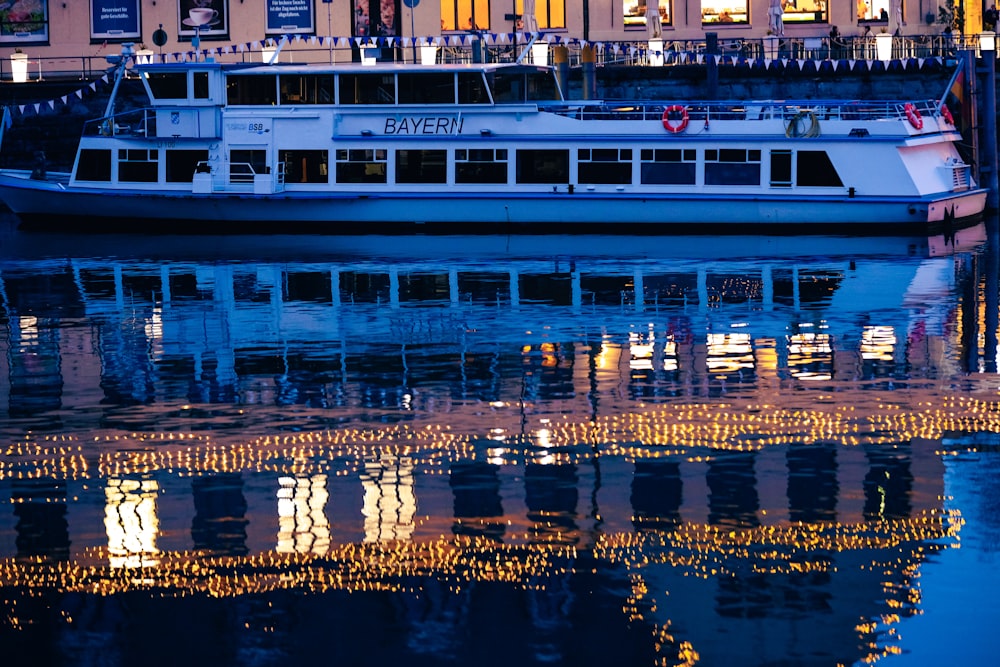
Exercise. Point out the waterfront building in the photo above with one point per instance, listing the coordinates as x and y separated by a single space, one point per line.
56 32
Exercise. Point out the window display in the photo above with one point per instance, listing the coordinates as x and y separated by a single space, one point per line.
635 13
725 11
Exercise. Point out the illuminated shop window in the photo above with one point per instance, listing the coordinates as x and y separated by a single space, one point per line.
874 10
725 11
635 12
465 14
806 11
374 18
548 14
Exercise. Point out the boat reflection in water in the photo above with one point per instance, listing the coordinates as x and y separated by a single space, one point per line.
487 450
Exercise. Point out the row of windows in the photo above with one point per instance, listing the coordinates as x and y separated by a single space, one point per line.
475 15
364 88
551 14
595 166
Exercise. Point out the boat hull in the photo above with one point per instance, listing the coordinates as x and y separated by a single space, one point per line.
52 204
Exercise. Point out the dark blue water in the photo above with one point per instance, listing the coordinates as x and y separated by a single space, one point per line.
556 450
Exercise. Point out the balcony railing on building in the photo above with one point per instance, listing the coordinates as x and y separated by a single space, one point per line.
623 53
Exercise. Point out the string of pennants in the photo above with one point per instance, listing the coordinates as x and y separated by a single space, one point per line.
502 39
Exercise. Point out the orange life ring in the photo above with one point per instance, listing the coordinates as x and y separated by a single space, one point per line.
913 116
946 114
668 122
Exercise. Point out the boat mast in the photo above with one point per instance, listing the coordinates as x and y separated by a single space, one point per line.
121 63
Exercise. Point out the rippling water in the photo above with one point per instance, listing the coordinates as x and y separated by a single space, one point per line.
552 450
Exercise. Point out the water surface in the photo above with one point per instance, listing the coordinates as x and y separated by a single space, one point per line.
551 450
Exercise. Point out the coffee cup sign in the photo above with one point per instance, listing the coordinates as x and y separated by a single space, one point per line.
202 16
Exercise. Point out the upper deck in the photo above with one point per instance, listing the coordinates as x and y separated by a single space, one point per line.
212 84
191 96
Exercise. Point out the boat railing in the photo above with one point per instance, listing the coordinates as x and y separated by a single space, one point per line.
241 172
134 123
784 110
243 177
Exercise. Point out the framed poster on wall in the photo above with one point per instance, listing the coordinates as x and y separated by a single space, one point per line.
209 18
115 19
289 17
24 21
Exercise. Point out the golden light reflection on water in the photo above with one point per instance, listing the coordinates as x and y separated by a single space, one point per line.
131 521
690 430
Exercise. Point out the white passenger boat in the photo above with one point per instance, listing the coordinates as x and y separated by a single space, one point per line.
350 148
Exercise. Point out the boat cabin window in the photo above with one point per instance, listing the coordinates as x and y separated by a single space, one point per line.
305 166
814 168
366 89
306 88
521 86
421 166
181 164
168 85
199 81
472 89
251 90
481 165
542 86
361 165
543 166
667 166
732 166
138 165
429 88
781 168
93 165
604 165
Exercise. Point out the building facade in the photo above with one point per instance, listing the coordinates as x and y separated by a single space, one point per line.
81 28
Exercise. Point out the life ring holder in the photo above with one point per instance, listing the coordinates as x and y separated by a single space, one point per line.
913 115
668 122
794 124
946 114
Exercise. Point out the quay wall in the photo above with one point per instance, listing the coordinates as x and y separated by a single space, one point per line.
55 125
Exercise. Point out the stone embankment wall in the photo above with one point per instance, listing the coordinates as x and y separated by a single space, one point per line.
56 128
